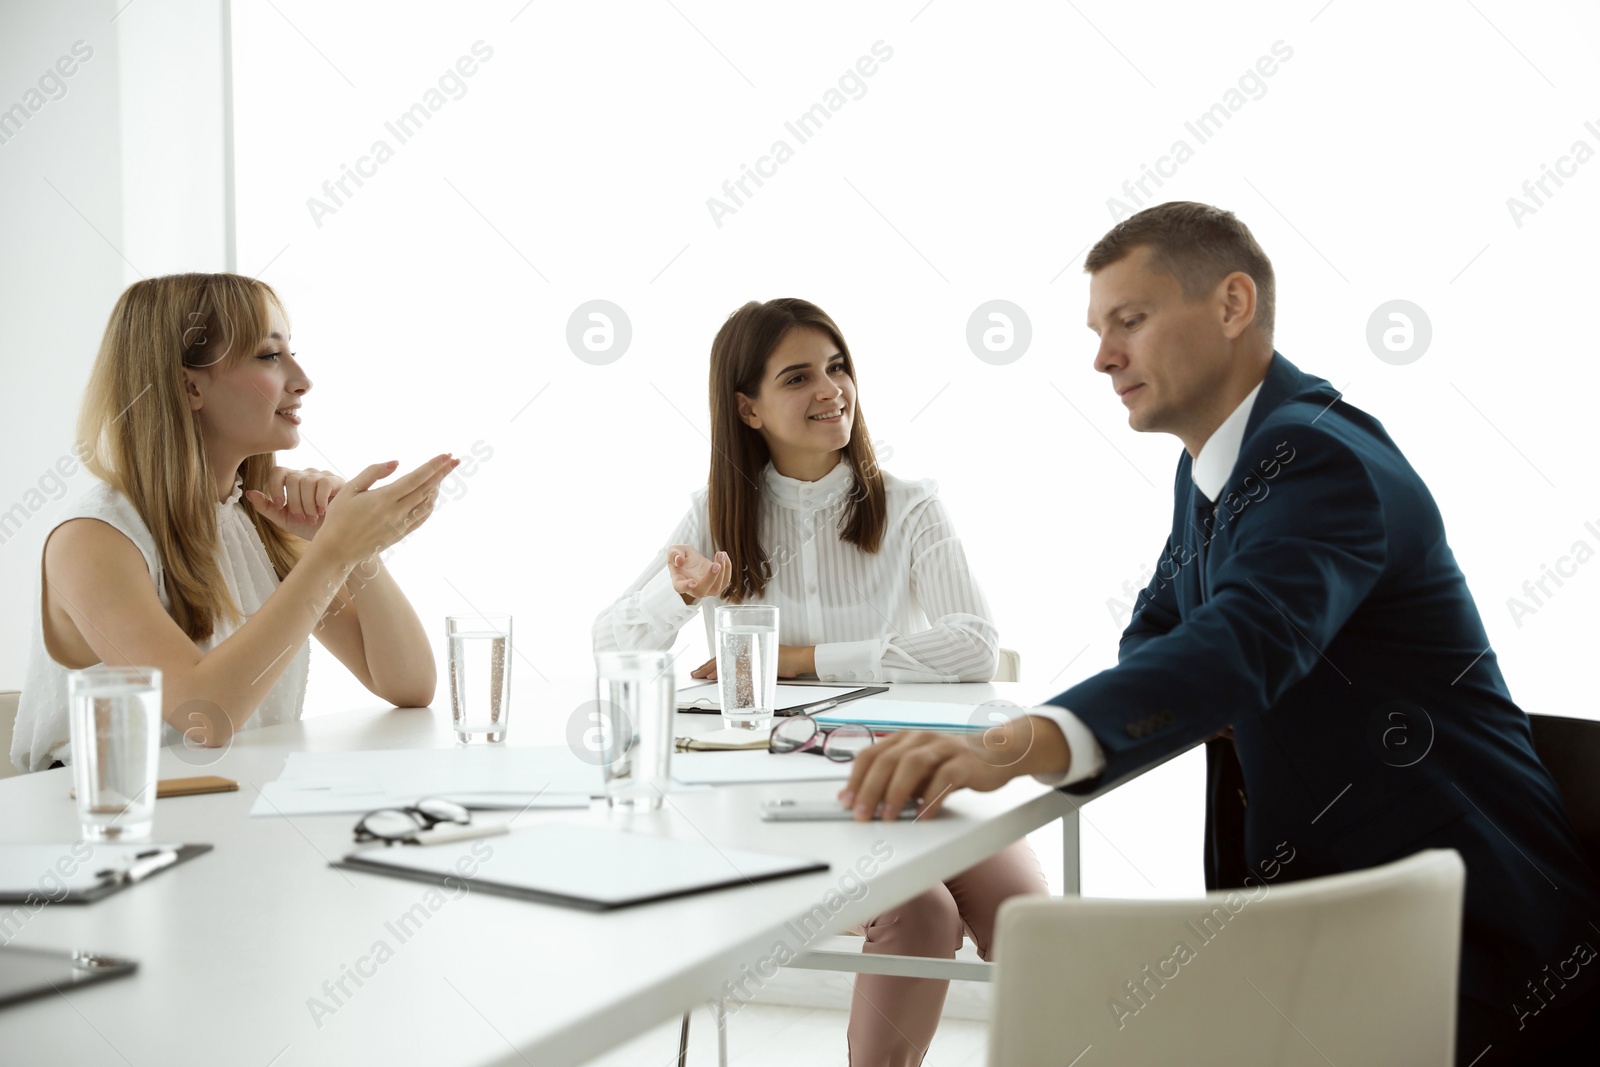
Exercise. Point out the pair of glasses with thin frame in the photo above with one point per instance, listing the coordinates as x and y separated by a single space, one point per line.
801 733
395 826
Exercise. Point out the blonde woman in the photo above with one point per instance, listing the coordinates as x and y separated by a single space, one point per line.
872 585
194 552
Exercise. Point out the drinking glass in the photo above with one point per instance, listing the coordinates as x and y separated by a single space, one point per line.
480 676
747 664
636 698
115 725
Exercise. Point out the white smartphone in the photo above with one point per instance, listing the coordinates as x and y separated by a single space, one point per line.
820 810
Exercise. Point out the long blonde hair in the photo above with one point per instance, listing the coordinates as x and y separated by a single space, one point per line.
139 435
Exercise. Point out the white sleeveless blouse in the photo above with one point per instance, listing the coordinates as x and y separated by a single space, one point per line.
42 735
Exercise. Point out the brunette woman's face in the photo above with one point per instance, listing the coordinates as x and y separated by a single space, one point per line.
807 400
250 406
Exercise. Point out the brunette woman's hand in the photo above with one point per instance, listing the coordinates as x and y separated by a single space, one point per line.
362 521
793 661
694 576
296 501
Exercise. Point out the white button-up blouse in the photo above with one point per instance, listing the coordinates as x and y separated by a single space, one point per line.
910 612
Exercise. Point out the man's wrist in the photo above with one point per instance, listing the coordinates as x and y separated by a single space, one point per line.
1045 748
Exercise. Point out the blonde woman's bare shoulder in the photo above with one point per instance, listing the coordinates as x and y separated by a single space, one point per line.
92 571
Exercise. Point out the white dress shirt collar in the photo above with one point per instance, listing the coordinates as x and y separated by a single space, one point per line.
797 495
1221 450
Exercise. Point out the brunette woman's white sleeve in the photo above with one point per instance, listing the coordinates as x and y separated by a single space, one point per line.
650 614
962 643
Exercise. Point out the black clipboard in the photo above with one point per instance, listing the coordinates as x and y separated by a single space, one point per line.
577 866
801 709
40 895
26 973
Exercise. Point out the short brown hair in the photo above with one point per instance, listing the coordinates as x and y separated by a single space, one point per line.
1197 244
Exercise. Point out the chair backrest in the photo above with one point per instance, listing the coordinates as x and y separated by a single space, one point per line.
1009 666
8 724
1351 968
1570 751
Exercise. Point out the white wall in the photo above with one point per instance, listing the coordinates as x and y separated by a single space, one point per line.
81 218
431 306
61 219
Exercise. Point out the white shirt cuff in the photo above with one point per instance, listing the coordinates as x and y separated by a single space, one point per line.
661 604
850 661
1088 759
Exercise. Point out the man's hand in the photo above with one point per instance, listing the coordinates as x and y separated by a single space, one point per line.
929 766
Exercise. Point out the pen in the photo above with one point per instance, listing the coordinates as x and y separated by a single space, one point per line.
144 864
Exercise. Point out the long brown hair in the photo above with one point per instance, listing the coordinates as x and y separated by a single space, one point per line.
739 454
138 434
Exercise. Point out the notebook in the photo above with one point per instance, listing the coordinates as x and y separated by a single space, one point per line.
882 714
594 868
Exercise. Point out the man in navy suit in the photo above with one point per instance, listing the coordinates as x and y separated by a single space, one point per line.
1306 613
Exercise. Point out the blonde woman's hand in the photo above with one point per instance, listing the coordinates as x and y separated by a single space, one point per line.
362 521
694 576
296 500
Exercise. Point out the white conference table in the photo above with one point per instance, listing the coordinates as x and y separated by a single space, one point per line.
233 944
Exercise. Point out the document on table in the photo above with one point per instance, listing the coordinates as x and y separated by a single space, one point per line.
881 713
708 697
591 867
730 768
488 776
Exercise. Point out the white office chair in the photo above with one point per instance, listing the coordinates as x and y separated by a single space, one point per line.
8 725
843 953
1351 968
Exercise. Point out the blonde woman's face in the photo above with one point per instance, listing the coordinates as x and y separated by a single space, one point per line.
807 400
250 406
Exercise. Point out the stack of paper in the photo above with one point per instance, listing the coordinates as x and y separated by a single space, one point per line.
489 776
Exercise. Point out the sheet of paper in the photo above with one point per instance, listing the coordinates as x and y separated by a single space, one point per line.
315 783
788 696
308 798
595 863
728 768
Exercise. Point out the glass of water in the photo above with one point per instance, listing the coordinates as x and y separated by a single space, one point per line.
480 676
115 724
635 697
747 664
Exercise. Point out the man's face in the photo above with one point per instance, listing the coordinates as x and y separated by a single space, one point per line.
1167 357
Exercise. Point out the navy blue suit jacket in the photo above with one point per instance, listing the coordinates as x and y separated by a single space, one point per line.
1324 618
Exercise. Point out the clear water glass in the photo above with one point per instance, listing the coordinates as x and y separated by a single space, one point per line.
480 676
636 698
115 725
747 664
